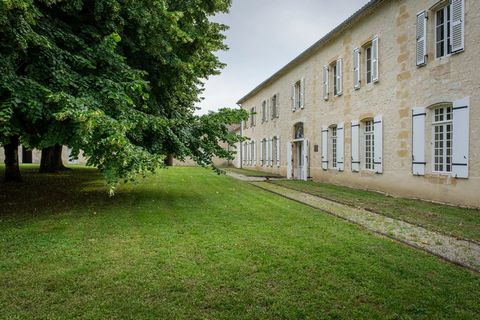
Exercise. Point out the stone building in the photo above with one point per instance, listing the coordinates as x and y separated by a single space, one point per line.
388 101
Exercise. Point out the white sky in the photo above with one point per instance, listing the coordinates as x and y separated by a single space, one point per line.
263 37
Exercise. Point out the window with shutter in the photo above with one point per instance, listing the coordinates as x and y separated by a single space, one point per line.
356 68
421 49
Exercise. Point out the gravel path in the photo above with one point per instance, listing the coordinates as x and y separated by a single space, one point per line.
458 251
244 178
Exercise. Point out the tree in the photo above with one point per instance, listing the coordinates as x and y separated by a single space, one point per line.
117 80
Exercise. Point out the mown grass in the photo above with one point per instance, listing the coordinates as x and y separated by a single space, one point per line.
456 221
252 173
189 244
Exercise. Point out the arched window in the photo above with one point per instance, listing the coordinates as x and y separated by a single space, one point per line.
299 131
442 123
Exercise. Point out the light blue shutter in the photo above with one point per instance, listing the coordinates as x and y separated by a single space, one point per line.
356 68
325 82
375 59
461 140
340 147
355 147
418 141
306 165
457 26
378 144
339 77
421 52
325 148
302 93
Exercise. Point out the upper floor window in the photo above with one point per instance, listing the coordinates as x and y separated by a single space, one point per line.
274 105
252 117
442 139
448 24
443 38
368 63
264 111
298 94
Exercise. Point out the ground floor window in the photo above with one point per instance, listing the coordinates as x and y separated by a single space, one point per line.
442 139
333 144
369 145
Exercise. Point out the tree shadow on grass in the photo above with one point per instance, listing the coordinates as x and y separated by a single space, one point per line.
77 191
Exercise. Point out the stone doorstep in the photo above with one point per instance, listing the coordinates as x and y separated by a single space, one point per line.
461 252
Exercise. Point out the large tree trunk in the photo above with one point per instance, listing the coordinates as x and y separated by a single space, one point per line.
169 160
51 160
12 168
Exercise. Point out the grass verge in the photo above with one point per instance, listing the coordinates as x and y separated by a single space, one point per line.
451 220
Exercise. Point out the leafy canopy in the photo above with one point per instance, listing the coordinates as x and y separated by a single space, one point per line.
115 79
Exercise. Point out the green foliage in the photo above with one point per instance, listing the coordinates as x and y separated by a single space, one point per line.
116 80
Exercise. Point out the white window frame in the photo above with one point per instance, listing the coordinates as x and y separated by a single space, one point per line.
368 63
443 124
369 156
333 145
447 21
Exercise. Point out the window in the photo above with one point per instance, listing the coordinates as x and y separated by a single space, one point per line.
264 111
299 130
368 63
334 146
274 104
442 139
369 145
297 93
443 39
252 117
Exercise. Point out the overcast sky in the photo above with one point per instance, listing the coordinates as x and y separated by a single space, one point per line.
264 36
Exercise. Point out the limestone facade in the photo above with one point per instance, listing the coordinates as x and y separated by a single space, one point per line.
400 101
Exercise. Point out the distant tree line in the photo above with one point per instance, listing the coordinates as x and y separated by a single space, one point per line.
116 79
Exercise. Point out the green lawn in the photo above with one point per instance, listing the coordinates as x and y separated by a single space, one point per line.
252 173
460 222
189 244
